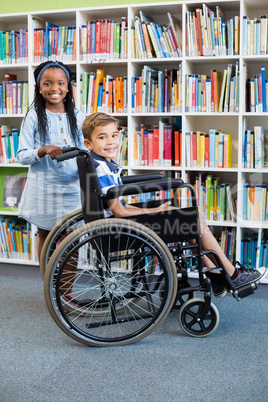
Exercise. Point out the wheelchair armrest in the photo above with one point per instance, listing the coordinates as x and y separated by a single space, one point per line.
144 187
142 177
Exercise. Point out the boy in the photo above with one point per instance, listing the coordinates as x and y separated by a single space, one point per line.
102 139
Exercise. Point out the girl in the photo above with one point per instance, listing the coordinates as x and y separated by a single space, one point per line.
52 189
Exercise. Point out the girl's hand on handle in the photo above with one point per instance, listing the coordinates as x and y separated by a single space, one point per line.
50 150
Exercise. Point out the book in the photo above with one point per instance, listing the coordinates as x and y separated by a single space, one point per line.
231 203
167 151
100 74
13 187
258 147
176 28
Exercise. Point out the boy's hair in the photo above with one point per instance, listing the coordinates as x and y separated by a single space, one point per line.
96 120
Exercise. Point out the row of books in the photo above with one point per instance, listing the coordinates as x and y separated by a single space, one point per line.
254 38
122 151
255 202
104 40
255 148
215 199
152 40
159 145
153 196
16 239
13 46
52 42
217 93
227 242
57 43
209 33
9 143
257 93
254 251
101 92
212 149
157 91
13 95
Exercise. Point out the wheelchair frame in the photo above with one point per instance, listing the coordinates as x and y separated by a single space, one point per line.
113 281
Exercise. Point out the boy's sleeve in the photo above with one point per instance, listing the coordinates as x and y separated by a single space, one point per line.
106 177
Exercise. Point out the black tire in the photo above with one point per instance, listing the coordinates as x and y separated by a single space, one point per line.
67 224
192 322
114 282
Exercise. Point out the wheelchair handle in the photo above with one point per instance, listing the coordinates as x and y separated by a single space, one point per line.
69 153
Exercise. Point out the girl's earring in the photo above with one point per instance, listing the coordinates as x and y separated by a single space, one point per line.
40 92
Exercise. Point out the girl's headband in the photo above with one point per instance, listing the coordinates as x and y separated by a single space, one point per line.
52 64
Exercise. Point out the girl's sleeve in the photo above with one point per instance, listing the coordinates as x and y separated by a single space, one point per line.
80 118
28 150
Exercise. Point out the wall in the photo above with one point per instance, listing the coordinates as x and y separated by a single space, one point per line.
16 6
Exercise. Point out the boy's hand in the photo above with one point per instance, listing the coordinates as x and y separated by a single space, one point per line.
166 206
50 150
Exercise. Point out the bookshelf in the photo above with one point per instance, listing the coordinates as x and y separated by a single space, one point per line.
128 65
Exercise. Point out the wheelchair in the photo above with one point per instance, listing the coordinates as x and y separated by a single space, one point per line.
111 281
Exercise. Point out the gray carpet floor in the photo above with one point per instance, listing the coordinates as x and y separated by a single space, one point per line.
40 363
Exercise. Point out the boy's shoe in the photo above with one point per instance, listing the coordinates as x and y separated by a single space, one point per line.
246 276
216 279
218 290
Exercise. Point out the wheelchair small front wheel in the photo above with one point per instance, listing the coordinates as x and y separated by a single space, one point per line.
196 324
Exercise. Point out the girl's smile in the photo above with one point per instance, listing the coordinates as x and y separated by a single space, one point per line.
54 87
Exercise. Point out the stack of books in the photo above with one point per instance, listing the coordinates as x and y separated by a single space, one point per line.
257 93
14 46
254 148
122 152
255 202
254 251
214 93
104 40
209 33
13 95
9 143
228 243
159 145
152 40
52 42
103 93
215 199
254 38
16 239
212 149
157 91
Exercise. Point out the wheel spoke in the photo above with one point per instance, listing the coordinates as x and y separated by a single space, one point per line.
106 288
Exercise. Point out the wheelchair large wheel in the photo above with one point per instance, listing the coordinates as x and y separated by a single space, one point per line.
60 230
194 323
114 270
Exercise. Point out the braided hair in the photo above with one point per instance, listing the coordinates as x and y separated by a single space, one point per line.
39 103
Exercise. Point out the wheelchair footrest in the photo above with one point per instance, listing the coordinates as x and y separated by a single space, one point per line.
245 291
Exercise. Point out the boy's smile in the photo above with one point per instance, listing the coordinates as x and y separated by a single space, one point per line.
104 141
